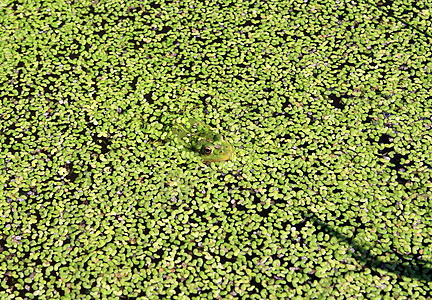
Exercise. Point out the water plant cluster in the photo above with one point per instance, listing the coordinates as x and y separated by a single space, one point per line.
327 105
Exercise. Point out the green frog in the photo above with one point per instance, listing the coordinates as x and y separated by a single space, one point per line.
198 137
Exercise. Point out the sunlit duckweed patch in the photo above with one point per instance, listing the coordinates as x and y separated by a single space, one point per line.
327 188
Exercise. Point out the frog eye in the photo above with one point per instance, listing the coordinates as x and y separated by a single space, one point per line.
208 150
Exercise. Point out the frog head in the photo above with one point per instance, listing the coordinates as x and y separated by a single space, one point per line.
213 148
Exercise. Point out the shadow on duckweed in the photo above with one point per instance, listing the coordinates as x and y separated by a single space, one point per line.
383 8
410 266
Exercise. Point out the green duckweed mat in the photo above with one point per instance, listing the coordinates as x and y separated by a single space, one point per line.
327 105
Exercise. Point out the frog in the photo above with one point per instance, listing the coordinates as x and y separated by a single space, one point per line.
198 137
